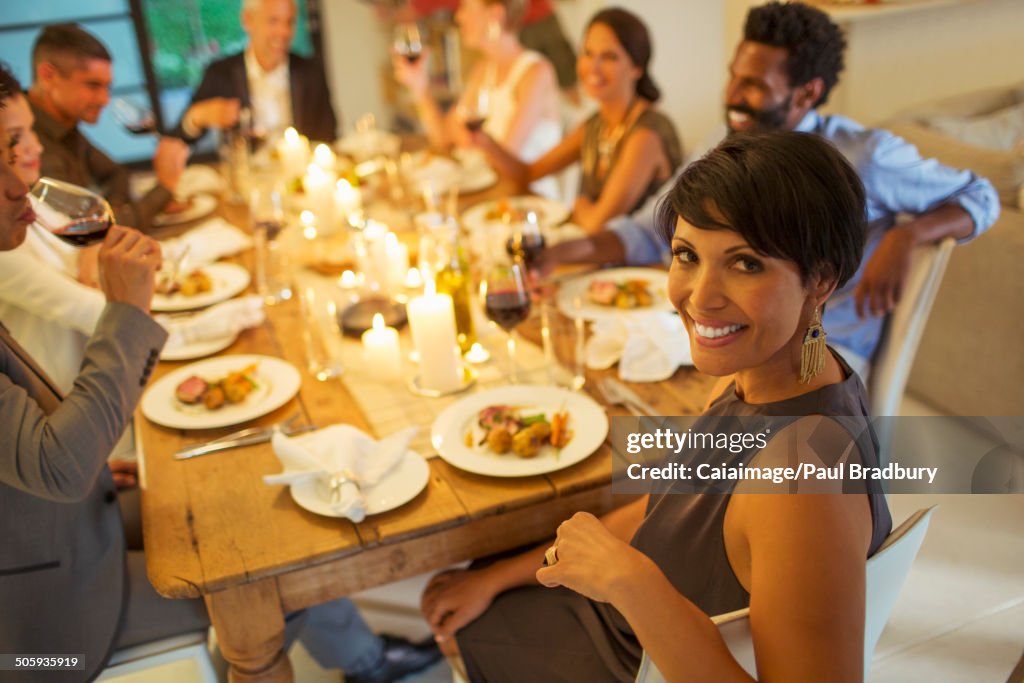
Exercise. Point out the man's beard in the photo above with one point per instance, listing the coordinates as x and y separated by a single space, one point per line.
765 120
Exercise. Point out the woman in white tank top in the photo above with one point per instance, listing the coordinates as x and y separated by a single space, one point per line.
514 89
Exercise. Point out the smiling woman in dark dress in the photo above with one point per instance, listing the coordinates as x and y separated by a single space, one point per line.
763 230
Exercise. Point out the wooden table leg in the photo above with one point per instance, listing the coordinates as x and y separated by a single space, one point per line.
249 623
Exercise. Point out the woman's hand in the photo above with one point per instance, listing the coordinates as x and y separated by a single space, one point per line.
592 561
454 599
413 75
125 473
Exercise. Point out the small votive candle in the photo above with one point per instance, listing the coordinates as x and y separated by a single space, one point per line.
413 279
380 349
348 280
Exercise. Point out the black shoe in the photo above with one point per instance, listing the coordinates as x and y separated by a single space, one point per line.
400 659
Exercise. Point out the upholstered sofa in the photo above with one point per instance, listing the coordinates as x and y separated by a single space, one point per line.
971 358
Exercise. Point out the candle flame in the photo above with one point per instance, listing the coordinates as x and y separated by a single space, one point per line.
348 279
343 186
314 172
430 289
413 279
323 155
378 321
307 217
291 136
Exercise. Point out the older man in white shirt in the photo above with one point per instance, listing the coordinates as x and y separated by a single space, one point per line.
280 89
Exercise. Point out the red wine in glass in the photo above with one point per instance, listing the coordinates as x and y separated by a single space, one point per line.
508 307
84 231
412 54
475 123
525 247
272 227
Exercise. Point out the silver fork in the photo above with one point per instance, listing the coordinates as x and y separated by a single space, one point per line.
616 393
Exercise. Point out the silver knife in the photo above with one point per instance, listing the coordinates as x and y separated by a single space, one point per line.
226 444
630 396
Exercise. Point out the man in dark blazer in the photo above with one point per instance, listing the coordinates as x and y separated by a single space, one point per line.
280 89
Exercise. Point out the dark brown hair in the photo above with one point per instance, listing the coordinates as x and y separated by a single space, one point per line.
634 38
67 46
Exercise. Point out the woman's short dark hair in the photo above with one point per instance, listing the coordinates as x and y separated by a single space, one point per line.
814 43
789 195
9 85
634 38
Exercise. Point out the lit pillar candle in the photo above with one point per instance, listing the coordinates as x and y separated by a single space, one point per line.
294 152
371 256
348 200
380 349
325 158
318 185
397 255
432 321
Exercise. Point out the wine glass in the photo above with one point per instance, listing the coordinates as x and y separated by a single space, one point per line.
135 119
507 301
407 41
74 214
526 240
475 115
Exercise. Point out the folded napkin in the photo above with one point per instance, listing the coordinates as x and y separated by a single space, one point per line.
225 319
199 178
647 348
209 241
340 450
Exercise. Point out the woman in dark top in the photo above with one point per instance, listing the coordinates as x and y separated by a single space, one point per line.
628 149
763 230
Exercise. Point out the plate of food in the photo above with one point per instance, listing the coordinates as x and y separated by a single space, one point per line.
519 431
197 349
615 292
198 287
181 211
398 487
221 391
513 210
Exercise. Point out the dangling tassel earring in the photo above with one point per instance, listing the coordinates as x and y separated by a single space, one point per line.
812 353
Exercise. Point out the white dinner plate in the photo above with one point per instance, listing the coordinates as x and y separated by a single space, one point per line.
587 420
577 287
200 206
228 280
549 212
401 485
199 349
476 179
277 381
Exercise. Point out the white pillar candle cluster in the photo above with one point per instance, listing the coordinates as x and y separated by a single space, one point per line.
432 322
382 258
293 149
381 353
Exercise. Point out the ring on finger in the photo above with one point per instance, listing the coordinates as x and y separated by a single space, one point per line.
551 556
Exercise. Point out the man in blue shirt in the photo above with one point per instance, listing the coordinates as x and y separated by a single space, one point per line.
783 70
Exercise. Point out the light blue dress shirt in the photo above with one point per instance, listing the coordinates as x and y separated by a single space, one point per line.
897 180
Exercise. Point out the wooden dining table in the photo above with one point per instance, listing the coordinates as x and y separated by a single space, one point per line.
213 529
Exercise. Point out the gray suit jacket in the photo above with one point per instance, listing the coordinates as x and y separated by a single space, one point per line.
62 578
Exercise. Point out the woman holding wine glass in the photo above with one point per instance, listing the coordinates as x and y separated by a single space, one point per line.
628 148
511 93
44 299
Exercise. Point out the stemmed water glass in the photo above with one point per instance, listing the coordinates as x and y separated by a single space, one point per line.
74 214
507 301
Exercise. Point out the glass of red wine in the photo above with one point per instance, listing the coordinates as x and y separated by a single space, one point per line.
74 214
507 301
526 240
135 119
475 115
407 41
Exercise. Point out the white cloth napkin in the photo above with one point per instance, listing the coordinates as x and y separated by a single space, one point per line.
647 348
227 318
340 449
209 241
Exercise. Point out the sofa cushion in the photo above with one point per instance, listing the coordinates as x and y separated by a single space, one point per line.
1004 169
1002 129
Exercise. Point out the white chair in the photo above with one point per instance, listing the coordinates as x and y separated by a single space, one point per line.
894 357
178 659
887 570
